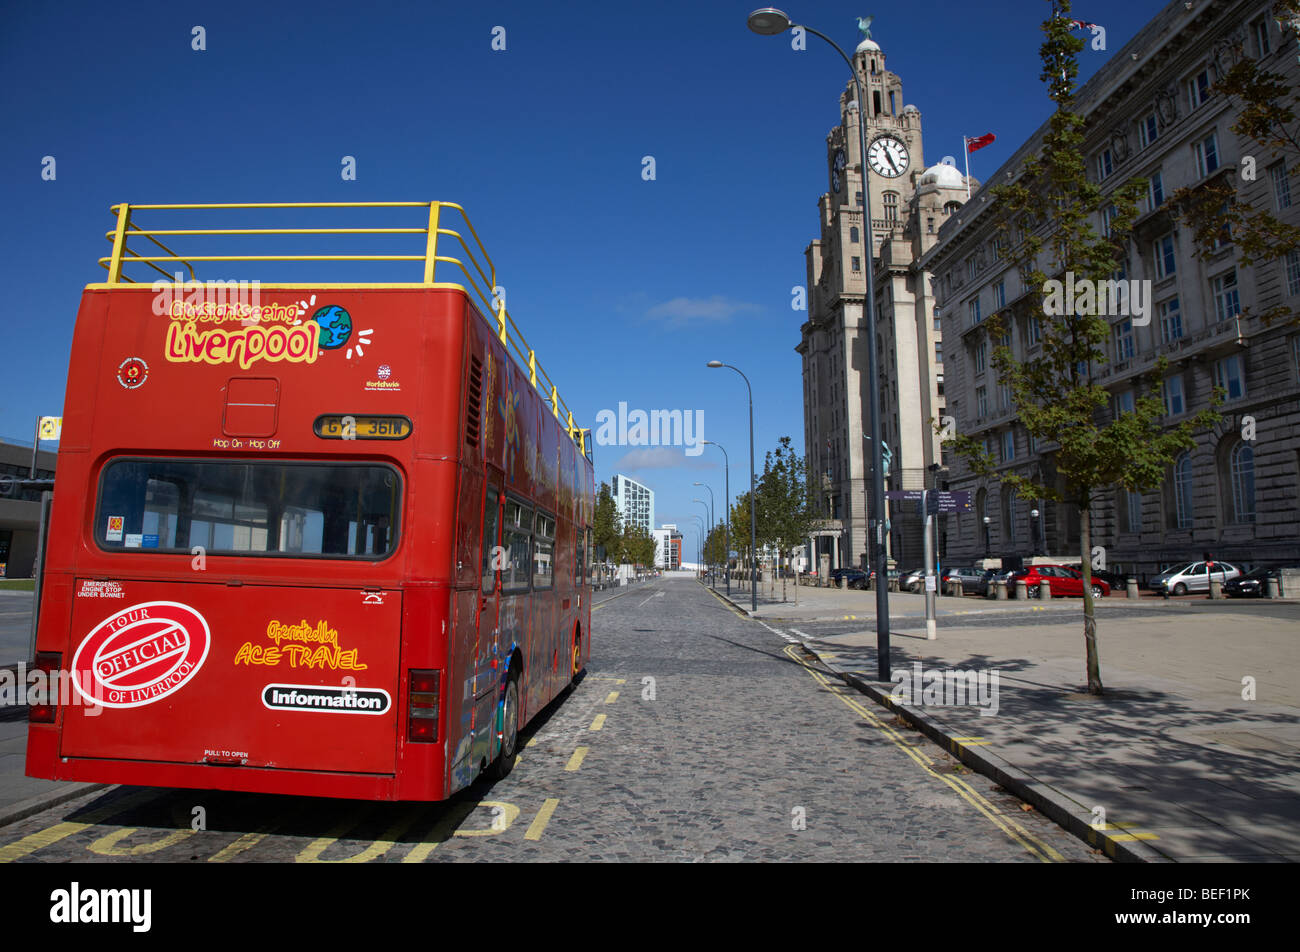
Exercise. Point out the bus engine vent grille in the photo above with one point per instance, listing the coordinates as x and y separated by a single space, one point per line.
474 401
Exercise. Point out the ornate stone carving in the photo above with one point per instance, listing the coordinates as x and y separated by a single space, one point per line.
1119 144
1166 106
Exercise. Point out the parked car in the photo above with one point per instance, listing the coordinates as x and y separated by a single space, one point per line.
1254 583
1116 580
971 578
856 577
913 581
1065 580
1193 577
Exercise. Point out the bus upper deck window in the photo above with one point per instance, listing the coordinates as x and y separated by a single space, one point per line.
263 507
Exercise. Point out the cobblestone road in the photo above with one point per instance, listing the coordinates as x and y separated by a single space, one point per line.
696 734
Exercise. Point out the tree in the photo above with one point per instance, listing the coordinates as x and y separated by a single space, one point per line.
1266 109
786 510
1045 216
740 534
606 526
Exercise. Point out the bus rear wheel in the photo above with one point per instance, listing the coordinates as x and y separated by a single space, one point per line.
505 762
575 667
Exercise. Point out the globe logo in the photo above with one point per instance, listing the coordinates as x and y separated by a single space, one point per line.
335 326
385 372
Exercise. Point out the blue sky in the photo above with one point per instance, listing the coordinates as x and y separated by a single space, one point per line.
625 287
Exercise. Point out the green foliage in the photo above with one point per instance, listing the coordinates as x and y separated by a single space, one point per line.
606 525
786 512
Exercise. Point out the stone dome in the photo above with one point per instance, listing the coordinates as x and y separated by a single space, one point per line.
909 109
944 176
868 46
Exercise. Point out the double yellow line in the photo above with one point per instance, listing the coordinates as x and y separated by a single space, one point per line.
1019 834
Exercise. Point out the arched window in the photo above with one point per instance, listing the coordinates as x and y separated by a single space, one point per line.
891 206
1008 516
1242 463
1182 487
950 208
853 235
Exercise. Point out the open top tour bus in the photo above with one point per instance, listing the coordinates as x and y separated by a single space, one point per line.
307 538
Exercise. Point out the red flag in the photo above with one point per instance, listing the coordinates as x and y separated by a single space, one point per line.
979 142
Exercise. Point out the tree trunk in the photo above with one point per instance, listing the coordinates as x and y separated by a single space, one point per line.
1089 611
779 562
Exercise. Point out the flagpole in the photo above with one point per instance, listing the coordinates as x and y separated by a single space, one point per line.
965 150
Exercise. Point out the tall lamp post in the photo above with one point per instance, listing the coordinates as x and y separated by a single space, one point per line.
699 550
1033 515
769 21
709 519
753 525
988 548
713 521
726 514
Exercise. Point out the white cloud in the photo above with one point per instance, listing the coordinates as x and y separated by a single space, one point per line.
685 310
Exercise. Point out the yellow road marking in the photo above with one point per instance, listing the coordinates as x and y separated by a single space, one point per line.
598 723
51 835
576 760
107 845
543 817
612 697
606 677
245 842
531 741
1015 831
376 849
455 816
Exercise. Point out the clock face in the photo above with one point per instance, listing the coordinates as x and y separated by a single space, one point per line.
888 157
837 168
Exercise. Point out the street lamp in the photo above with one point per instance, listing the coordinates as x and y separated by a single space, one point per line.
1033 516
699 549
987 546
709 517
769 21
712 518
753 524
726 514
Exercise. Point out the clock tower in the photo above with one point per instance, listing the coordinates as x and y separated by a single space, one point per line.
903 208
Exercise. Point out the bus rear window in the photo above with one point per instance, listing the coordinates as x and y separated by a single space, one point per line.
269 508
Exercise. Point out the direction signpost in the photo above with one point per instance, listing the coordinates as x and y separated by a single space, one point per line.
933 502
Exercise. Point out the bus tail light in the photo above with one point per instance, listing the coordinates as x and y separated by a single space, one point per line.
48 663
423 713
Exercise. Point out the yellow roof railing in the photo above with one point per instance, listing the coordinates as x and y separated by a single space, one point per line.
474 267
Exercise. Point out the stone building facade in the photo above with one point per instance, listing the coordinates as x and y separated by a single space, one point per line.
907 204
1150 115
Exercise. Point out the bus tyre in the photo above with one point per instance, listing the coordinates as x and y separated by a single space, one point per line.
575 667
505 762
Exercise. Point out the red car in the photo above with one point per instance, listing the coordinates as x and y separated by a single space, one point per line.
1063 579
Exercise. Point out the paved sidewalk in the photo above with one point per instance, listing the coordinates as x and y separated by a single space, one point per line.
1183 767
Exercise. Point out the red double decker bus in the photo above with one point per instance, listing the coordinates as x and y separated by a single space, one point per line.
307 538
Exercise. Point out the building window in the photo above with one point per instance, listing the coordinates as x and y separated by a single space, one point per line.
1008 446
974 308
853 235
891 206
938 352
1133 510
1108 215
951 208
1198 89
1281 186
1123 332
1207 155
1000 294
1227 304
1105 164
1229 374
1148 130
1293 272
999 246
970 268
1004 397
1259 32
1166 262
1124 402
1035 331
1183 492
929 226
1171 320
1174 403
855 263
858 196
981 402
981 354
1155 190
1242 462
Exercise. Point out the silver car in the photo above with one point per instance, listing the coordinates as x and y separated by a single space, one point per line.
1193 577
